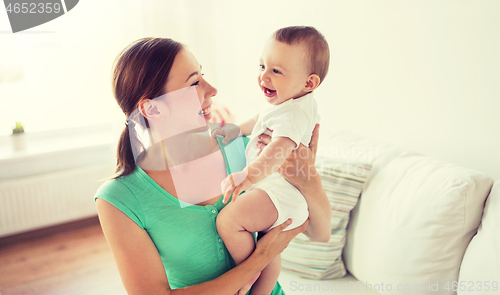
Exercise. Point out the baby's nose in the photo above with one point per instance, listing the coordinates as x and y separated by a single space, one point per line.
264 76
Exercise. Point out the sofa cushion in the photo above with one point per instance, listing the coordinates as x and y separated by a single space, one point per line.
348 147
413 223
342 183
480 269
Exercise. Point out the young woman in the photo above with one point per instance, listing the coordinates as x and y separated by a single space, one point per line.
159 246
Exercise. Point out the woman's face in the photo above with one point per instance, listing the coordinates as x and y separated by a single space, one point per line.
185 72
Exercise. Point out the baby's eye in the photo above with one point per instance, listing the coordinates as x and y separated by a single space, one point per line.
262 67
276 71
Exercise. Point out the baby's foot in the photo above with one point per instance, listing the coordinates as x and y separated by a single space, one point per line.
248 285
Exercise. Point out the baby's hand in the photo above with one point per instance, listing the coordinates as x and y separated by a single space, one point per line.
229 131
235 183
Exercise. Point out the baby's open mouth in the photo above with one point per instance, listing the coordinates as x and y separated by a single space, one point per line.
269 92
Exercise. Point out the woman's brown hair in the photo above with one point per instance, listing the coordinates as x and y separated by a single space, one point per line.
140 71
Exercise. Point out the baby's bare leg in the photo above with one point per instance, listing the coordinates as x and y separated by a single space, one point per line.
253 211
268 278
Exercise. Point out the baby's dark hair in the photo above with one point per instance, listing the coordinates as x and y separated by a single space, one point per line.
318 50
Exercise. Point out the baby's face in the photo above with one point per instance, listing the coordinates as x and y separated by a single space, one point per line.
283 71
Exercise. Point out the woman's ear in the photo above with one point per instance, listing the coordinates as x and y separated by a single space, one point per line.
312 83
149 110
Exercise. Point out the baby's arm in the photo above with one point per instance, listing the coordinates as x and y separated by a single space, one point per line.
231 131
270 159
247 127
268 162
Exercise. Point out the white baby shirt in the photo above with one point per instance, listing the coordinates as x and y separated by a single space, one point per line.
294 118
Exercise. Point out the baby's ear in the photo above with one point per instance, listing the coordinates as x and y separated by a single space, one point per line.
149 110
312 83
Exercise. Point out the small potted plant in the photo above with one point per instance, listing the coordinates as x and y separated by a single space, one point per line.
18 137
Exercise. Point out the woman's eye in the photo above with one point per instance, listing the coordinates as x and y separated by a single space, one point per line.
197 82
276 71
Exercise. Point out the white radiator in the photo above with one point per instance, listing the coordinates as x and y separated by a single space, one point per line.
38 201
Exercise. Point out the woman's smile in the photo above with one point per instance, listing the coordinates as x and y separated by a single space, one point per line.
206 112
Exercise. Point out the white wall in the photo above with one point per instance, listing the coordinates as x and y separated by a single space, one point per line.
421 74
67 66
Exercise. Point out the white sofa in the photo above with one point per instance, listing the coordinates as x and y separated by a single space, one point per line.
411 231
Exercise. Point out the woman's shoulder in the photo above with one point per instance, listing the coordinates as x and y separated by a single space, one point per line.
112 187
123 189
118 183
121 192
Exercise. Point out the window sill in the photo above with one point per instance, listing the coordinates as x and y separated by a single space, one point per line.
58 150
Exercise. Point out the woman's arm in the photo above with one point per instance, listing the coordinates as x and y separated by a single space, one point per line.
300 171
136 257
141 268
320 212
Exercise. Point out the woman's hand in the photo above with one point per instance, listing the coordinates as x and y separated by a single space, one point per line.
276 240
300 171
273 243
235 184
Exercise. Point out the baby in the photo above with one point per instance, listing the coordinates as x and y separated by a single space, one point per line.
294 62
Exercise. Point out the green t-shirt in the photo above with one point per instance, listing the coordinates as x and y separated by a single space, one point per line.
190 248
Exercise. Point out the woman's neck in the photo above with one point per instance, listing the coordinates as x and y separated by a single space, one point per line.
174 151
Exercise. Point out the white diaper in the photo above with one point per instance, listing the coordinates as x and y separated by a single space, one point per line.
287 199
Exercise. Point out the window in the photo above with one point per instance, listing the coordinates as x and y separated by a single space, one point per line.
57 75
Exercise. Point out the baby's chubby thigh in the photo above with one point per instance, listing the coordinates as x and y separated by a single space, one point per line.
253 211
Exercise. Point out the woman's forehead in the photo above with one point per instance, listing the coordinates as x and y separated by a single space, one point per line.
185 64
